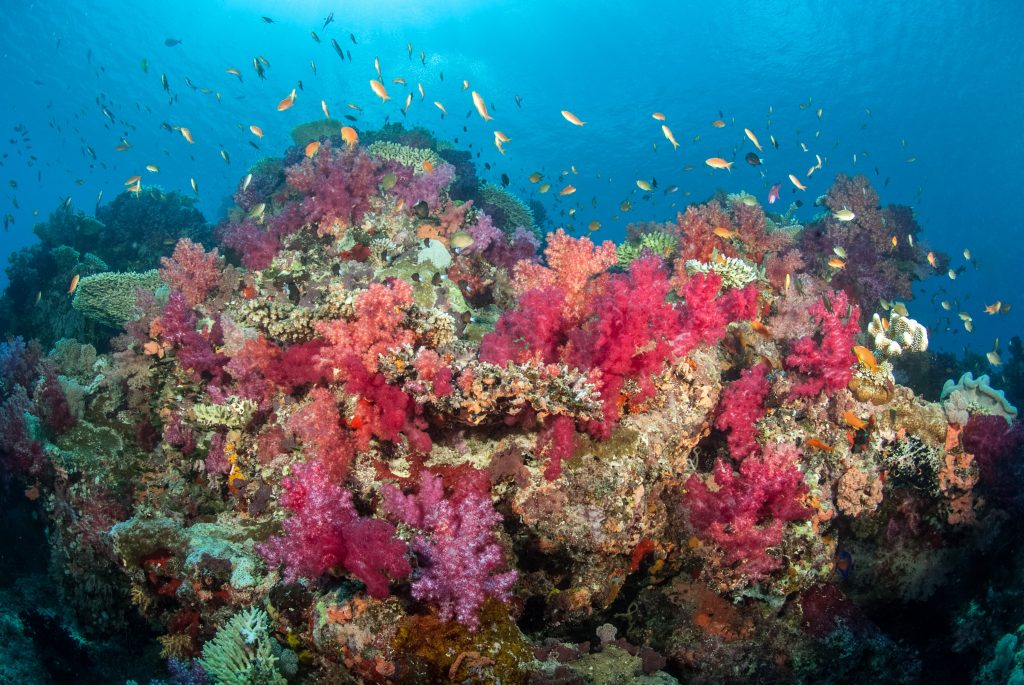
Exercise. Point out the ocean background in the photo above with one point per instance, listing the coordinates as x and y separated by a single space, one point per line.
926 95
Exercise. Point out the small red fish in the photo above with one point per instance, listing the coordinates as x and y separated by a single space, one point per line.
773 194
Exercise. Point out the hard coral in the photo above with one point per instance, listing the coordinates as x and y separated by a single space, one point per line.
325 532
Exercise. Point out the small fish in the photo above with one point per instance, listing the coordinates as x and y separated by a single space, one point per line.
753 139
773 194
465 85
572 118
625 206
796 182
74 284
460 240
502 137
951 274
659 116
787 282
854 421
993 357
171 42
910 240
312 148
408 102
840 251
643 185
967 254
817 444
844 215
323 106
267 20
337 49
667 132
312 34
836 263
481 106
568 190
994 308
428 166
234 72
724 233
718 123
718 163
440 107
519 102
186 134
379 90
327 20
932 260
544 187
287 102
224 155
195 187
349 135
132 180
969 326
946 305
866 357
753 159
594 225
505 180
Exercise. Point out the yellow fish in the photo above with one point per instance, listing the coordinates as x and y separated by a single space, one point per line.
844 215
671 138
186 134
572 118
753 139
836 263
379 90
644 185
536 176
544 187
481 106
796 181
659 116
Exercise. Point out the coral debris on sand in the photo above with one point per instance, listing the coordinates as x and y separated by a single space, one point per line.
373 435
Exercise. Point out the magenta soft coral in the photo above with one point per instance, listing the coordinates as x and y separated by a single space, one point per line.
375 329
826 359
338 185
191 270
707 314
194 350
742 406
458 555
744 514
325 532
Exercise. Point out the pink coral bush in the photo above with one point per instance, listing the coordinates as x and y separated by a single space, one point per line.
742 406
458 555
745 512
571 263
318 426
707 314
191 270
376 328
826 363
325 532
337 185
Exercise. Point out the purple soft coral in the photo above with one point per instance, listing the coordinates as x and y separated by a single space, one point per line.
457 552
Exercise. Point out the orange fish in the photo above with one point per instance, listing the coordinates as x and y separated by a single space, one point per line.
481 106
718 163
866 357
796 181
572 118
724 233
312 148
667 132
932 260
854 421
349 135
74 284
379 90
287 102
186 134
836 263
568 190
256 131
993 308
761 328
428 166
659 116
817 444
718 123
132 180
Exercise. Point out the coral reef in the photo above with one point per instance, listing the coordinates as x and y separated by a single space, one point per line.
371 436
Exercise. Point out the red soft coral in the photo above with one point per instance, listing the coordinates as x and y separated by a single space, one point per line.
707 314
375 329
318 425
696 228
744 514
826 359
742 406
535 329
191 270
325 532
571 263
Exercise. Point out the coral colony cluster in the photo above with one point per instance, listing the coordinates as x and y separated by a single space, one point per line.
371 432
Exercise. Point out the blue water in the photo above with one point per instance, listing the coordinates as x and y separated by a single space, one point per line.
941 81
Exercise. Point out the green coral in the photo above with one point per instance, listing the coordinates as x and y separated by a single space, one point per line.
403 154
315 130
234 413
511 211
656 242
735 273
242 653
109 297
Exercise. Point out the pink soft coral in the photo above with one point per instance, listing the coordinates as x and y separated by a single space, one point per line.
707 314
325 532
338 185
191 270
744 514
459 557
826 360
376 328
318 425
742 406
571 263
